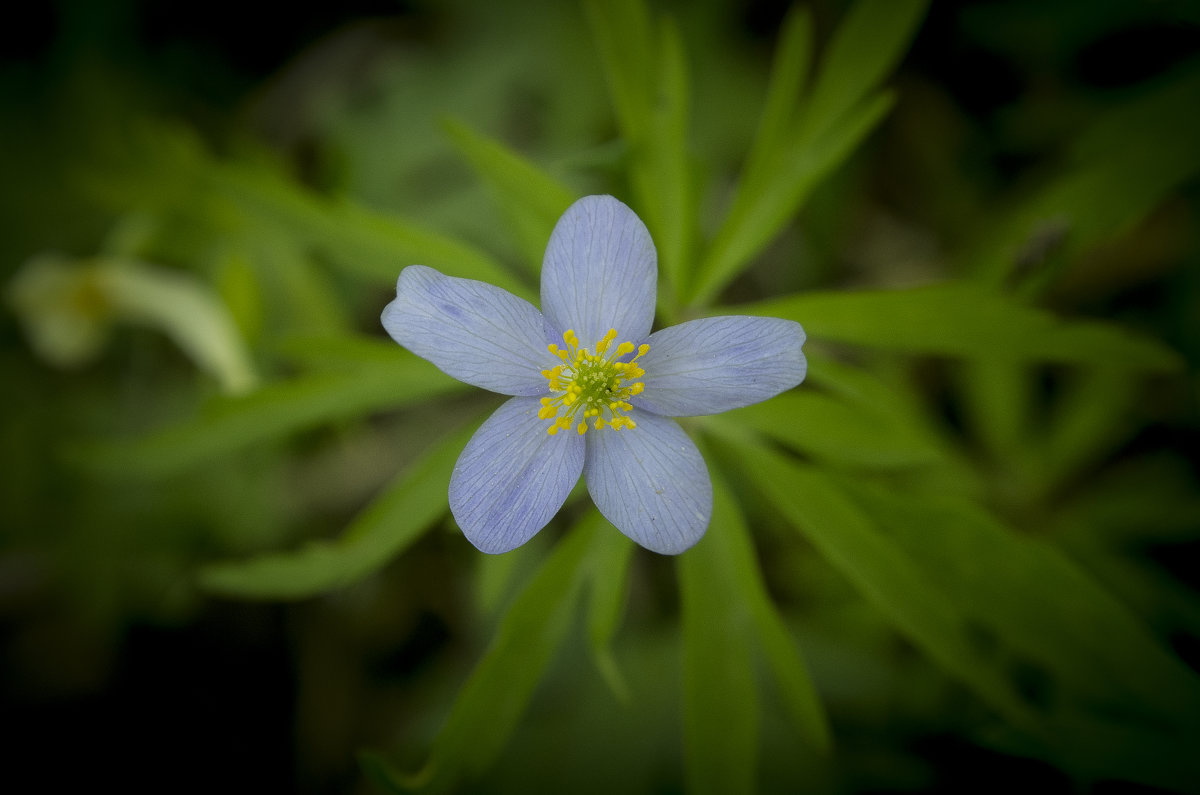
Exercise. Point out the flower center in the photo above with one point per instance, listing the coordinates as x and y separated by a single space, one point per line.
592 386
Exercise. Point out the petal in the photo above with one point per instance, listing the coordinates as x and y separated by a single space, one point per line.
472 331
651 482
600 272
512 477
720 363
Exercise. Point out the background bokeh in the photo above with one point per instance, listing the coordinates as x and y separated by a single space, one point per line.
205 206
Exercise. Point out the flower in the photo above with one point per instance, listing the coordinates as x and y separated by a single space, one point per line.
593 391
69 307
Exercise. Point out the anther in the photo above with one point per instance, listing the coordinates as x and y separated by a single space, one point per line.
591 385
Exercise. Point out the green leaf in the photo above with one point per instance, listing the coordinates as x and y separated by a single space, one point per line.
880 570
608 580
762 208
795 688
996 610
998 401
728 619
1148 500
338 352
532 199
767 630
647 79
1094 415
1115 702
302 292
799 145
493 699
1122 167
1039 603
833 429
1112 749
498 578
624 37
967 320
388 526
1085 530
867 45
890 402
861 386
359 240
720 698
662 173
225 426
788 74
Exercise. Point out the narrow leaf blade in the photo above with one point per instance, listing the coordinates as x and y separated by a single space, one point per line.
532 199
766 626
788 74
880 570
763 208
606 604
965 320
1039 603
396 519
835 430
866 46
720 699
976 620
359 240
491 702
662 170
226 425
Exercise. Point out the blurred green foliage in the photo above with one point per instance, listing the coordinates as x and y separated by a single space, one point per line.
967 542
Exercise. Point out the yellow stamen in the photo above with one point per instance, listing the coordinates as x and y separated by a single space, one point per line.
591 385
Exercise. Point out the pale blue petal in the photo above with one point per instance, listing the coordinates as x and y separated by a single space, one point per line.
650 482
720 363
600 272
472 331
512 477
